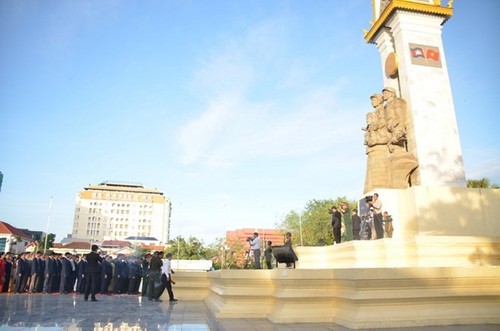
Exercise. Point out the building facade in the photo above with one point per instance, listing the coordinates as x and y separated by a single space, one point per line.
115 211
12 239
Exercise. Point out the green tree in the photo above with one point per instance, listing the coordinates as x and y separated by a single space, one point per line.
140 251
228 254
192 249
315 221
481 183
51 237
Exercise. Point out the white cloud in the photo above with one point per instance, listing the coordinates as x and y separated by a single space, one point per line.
242 122
232 129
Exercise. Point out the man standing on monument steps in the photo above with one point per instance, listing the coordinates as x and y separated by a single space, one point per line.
356 224
336 224
377 217
255 247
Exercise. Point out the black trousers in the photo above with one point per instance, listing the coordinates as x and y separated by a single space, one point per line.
377 222
132 281
154 285
145 280
337 234
105 284
90 284
168 285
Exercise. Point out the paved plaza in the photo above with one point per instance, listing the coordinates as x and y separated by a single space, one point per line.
126 312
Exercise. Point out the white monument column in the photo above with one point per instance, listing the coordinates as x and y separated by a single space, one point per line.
414 28
385 45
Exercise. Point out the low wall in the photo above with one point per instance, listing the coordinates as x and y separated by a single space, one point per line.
420 251
189 285
356 298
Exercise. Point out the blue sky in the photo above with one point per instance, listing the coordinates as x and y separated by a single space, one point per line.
239 111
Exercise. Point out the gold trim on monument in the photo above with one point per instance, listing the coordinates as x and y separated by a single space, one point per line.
394 5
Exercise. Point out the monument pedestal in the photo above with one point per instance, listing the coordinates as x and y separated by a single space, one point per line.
442 267
442 211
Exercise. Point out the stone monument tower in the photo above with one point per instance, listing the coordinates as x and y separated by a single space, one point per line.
408 36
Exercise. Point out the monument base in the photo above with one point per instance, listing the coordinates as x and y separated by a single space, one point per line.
357 298
442 267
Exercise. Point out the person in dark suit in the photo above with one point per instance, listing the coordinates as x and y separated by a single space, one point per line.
41 275
57 272
356 225
154 283
145 274
49 273
118 274
8 270
106 274
134 275
82 270
65 272
22 273
34 266
93 271
336 224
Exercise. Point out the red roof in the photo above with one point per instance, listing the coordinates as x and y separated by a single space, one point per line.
274 235
6 228
76 245
115 243
152 247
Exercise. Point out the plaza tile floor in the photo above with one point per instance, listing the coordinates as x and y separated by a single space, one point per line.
45 312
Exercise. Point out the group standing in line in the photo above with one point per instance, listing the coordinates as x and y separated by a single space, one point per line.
88 274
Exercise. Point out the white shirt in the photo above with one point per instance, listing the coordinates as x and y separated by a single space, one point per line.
255 243
166 268
377 205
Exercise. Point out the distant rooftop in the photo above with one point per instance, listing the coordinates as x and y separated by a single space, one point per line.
123 187
6 228
124 184
141 238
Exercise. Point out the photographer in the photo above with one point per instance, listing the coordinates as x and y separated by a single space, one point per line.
255 247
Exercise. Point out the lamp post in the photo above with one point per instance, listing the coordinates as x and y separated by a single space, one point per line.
48 223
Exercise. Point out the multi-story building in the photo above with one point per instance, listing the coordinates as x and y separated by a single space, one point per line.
115 211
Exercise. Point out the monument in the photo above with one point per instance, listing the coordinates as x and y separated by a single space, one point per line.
442 265
414 158
408 38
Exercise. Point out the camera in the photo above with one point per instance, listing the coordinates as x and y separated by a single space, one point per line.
369 198
249 238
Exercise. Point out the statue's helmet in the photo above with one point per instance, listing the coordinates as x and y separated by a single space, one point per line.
389 89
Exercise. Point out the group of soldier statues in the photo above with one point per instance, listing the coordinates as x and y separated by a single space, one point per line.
386 124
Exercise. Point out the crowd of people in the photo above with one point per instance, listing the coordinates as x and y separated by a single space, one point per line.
87 274
373 225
